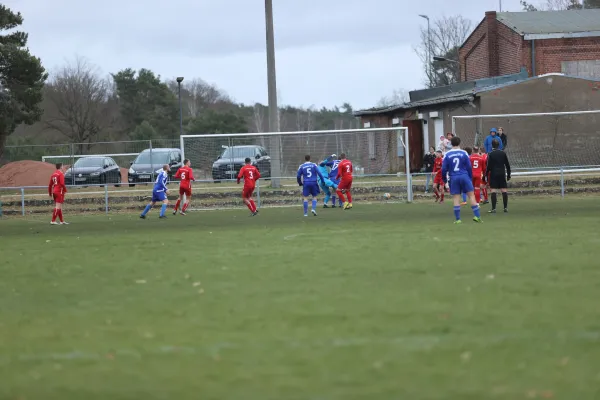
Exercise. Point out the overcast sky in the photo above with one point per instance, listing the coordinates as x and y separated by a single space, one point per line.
327 51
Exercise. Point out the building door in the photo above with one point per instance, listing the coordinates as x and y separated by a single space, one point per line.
415 143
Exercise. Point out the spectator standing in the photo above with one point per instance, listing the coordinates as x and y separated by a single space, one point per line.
428 161
503 138
488 141
448 143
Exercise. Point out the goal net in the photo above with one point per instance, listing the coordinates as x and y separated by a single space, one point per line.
378 156
539 141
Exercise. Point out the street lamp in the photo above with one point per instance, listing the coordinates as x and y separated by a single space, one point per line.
179 80
428 47
444 59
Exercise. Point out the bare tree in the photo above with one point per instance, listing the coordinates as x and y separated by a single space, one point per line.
78 98
198 95
398 96
258 114
558 5
447 35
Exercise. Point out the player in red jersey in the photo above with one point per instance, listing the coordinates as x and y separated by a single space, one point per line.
484 185
345 170
438 182
185 176
57 190
476 165
250 174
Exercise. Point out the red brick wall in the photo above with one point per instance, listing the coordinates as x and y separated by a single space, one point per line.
549 53
479 59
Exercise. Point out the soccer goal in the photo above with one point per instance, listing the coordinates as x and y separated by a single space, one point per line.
539 141
379 155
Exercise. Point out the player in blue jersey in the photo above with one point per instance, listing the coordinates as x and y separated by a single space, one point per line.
457 166
327 184
332 162
308 175
159 193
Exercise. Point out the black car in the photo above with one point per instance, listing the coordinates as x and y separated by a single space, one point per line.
229 163
93 170
149 163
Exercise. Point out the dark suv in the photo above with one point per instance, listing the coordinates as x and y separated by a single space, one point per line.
149 163
229 163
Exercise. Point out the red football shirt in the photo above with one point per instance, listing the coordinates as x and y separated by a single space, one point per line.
477 164
185 176
483 162
57 183
345 169
250 174
437 165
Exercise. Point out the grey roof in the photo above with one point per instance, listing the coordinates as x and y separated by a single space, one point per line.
549 22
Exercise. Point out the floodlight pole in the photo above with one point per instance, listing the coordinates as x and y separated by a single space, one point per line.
275 149
179 80
428 48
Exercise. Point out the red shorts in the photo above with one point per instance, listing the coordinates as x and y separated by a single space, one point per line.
58 198
247 192
345 184
477 182
187 191
438 180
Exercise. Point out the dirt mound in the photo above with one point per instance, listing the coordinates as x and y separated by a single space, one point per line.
26 173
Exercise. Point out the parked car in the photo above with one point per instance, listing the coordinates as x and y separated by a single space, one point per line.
229 163
93 170
149 163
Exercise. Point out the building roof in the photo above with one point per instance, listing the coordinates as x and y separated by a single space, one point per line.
552 24
464 95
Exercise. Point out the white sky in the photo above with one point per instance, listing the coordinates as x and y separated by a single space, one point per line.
327 51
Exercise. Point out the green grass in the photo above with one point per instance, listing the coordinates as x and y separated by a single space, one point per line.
387 301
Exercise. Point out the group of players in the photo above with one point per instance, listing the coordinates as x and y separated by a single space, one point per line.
468 172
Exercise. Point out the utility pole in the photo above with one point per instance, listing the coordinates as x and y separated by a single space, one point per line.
429 74
275 150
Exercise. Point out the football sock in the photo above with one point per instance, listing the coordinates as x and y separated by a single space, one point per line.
485 194
253 204
60 215
333 199
494 201
464 195
314 204
349 195
185 206
457 212
477 195
341 197
305 206
505 199
54 214
476 211
163 209
326 199
177 205
249 205
147 209
442 196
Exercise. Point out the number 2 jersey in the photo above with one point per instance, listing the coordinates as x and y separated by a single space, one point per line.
456 163
345 170
185 176
250 174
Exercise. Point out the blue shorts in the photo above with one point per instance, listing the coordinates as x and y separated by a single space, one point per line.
461 184
310 189
158 196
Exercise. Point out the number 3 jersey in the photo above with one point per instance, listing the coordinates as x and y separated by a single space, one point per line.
250 174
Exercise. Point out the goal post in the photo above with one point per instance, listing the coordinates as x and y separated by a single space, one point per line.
380 157
538 141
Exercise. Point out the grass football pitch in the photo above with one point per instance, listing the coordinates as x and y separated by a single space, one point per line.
385 301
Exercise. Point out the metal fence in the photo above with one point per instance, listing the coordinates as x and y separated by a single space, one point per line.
207 195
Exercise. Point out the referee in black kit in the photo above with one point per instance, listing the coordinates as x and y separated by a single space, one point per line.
498 173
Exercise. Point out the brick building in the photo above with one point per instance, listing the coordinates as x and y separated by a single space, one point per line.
542 42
